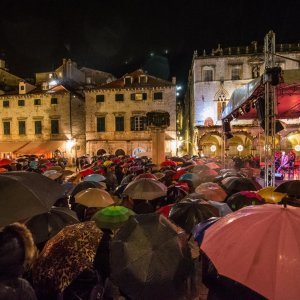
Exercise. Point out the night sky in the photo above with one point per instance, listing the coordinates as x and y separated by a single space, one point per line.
121 36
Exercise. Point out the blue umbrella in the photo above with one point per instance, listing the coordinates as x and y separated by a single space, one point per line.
199 230
94 177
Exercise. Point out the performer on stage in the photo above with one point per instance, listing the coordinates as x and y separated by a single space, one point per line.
284 162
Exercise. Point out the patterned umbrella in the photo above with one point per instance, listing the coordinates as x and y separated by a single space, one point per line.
65 256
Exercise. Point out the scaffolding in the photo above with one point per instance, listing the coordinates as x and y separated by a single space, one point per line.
270 110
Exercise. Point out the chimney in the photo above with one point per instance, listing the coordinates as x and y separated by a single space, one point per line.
174 80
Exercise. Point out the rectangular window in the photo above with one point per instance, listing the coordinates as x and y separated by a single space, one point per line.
236 73
54 101
5 103
22 87
138 96
6 128
158 96
208 75
37 102
38 127
119 123
22 127
119 97
54 127
100 124
21 102
138 123
99 98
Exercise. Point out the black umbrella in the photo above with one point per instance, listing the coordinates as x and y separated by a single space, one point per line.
45 226
187 213
84 185
242 199
234 185
26 194
150 258
292 188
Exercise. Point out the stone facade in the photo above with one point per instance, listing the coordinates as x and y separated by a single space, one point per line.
25 113
124 116
212 79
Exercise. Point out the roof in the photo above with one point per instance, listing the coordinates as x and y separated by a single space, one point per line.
151 81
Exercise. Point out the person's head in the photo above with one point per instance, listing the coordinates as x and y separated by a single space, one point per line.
17 250
283 153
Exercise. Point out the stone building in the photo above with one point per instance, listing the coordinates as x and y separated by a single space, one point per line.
37 121
116 114
48 117
212 79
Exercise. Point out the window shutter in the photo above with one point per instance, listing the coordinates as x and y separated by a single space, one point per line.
132 96
132 123
144 96
144 122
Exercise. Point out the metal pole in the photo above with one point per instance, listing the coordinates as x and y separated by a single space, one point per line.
269 121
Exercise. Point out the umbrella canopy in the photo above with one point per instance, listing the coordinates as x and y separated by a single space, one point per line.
199 230
165 210
213 165
211 191
94 197
258 246
242 199
292 188
149 259
81 186
187 213
94 177
237 184
193 178
223 208
5 162
112 217
26 194
86 172
45 226
197 168
146 189
270 196
145 175
167 163
178 159
66 255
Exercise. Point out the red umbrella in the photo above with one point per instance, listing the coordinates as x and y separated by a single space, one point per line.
167 163
5 162
178 174
86 172
165 210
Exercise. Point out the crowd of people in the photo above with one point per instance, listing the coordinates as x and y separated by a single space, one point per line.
181 178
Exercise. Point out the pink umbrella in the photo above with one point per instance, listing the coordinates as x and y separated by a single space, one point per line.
213 165
258 246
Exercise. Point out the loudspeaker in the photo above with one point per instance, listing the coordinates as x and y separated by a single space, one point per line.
260 108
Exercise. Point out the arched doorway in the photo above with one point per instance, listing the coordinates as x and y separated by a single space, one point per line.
210 144
101 152
120 152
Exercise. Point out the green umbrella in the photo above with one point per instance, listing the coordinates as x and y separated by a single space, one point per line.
112 217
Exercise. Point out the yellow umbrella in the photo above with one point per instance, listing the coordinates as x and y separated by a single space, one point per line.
270 196
107 163
94 197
